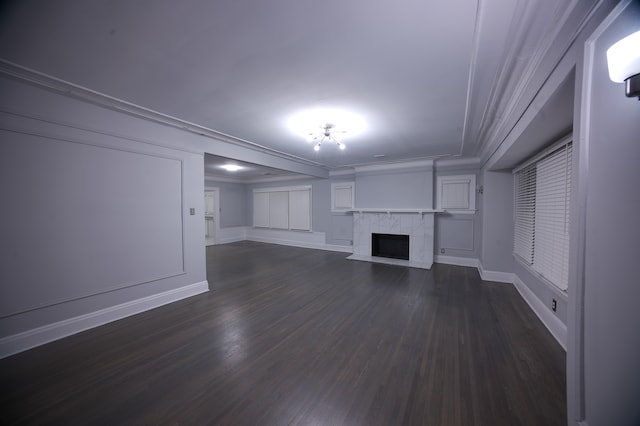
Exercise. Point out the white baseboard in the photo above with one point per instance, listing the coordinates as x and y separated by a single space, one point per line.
501 277
553 324
231 235
457 261
39 336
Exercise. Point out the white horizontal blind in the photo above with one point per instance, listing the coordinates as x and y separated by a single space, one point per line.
525 208
553 192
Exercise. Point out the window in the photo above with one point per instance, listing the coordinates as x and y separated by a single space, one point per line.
456 194
542 197
282 208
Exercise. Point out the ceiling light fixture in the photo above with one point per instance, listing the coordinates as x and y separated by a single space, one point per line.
328 134
623 59
231 167
323 125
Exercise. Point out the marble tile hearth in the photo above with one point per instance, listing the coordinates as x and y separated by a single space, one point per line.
419 227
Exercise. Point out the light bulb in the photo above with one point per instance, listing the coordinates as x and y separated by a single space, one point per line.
317 147
341 145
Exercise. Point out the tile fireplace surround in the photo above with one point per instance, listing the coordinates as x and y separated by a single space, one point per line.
418 224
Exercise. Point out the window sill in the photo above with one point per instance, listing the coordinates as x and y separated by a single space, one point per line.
562 294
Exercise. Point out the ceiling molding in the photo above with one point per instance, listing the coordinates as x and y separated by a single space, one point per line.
472 72
394 166
343 172
39 79
471 162
514 101
503 129
498 87
213 178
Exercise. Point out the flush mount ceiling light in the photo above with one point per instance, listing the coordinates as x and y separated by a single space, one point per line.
623 59
231 167
322 125
329 134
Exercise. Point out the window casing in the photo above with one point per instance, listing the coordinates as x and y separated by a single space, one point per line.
541 211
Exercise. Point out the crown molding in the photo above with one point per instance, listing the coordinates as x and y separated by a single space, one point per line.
342 172
446 163
421 164
573 20
57 85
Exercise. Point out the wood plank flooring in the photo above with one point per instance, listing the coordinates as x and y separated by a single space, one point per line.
298 336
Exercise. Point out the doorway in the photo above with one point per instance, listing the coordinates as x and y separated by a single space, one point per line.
211 215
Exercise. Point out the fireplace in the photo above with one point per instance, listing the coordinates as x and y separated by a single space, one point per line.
390 245
414 225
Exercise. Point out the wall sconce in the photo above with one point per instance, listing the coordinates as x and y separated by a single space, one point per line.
624 64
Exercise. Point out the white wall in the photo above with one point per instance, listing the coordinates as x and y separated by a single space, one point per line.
95 225
611 129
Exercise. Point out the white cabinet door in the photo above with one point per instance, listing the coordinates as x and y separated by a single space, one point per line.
261 209
208 204
300 210
279 209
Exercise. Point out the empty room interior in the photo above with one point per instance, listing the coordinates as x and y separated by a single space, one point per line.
326 213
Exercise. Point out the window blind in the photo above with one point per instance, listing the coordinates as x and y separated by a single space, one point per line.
542 199
525 208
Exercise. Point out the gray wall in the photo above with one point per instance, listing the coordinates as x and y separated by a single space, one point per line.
395 189
90 219
460 235
233 203
497 221
612 238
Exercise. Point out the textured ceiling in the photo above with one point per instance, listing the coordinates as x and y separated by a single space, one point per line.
427 76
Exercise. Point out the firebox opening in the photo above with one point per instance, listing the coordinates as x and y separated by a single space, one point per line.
390 245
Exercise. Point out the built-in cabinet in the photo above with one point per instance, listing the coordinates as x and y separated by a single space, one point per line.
282 208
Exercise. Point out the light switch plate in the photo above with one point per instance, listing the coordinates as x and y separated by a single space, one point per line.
192 211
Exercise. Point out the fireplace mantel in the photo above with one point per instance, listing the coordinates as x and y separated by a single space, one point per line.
393 210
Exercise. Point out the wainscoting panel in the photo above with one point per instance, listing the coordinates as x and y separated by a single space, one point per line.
455 232
115 215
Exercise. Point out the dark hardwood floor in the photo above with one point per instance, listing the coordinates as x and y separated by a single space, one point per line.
298 336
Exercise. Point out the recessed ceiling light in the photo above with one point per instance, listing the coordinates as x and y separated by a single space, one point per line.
231 167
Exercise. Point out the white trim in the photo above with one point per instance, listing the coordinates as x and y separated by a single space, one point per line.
232 234
393 210
470 180
39 336
457 261
446 163
343 172
283 188
394 166
552 322
342 185
551 286
39 79
565 140
497 276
